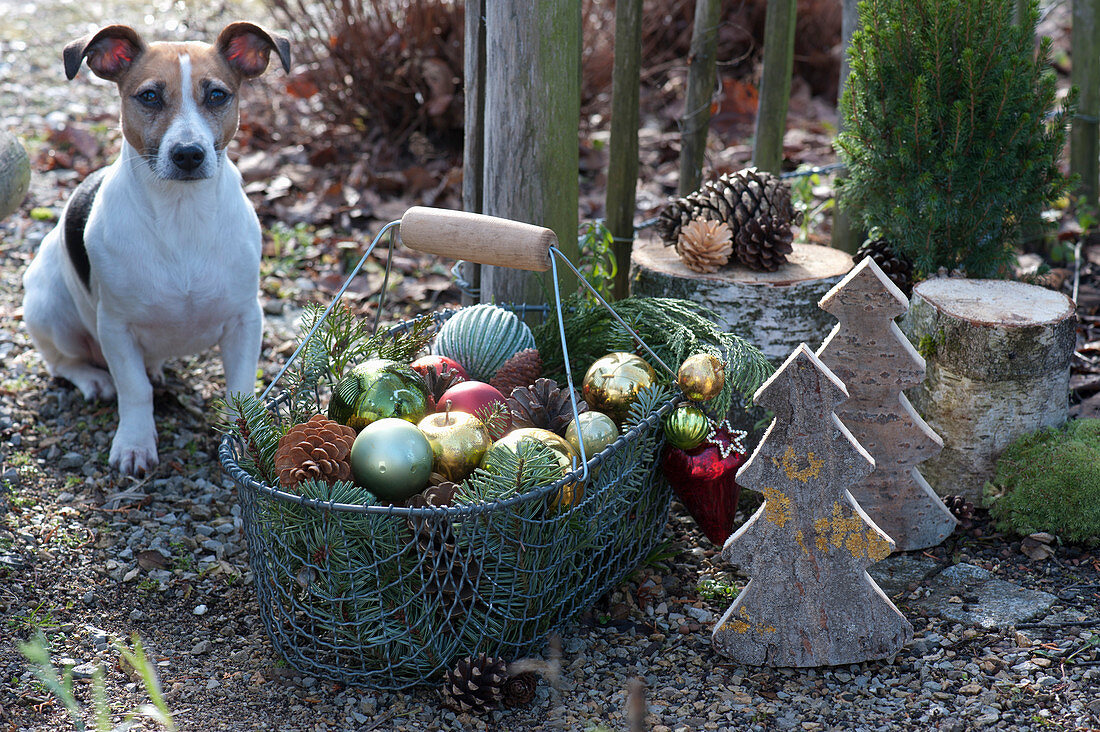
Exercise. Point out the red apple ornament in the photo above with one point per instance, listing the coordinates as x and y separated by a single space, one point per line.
476 398
439 363
703 479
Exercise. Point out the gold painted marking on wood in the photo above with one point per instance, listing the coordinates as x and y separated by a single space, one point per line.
777 507
789 465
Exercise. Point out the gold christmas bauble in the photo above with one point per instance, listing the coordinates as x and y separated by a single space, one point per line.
568 460
458 441
613 383
701 377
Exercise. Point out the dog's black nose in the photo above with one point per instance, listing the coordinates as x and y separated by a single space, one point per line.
188 157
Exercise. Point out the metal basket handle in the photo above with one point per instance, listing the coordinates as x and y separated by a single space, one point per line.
477 238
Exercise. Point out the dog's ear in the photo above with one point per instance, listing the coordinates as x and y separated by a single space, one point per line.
247 48
110 52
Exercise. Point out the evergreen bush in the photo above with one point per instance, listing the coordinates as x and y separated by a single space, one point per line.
1050 481
952 131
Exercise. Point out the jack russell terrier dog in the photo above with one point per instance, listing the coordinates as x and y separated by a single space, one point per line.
158 254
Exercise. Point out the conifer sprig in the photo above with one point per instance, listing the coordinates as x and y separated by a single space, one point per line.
952 130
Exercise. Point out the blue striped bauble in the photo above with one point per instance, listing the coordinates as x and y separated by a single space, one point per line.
482 338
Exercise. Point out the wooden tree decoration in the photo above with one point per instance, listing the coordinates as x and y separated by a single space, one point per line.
810 601
876 361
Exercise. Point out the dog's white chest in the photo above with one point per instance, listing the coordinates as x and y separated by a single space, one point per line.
180 270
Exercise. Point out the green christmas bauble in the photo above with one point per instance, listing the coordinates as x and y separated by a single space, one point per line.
596 431
686 427
392 459
482 338
612 383
378 389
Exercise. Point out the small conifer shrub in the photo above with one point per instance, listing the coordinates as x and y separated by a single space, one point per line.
1050 481
952 129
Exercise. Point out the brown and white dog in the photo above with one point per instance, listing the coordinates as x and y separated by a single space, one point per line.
158 254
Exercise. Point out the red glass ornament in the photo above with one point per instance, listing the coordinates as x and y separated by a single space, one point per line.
703 479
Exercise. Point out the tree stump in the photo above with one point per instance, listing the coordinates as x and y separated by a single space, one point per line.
875 360
998 356
775 311
15 173
810 601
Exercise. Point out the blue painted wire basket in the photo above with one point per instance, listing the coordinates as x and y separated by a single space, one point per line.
390 597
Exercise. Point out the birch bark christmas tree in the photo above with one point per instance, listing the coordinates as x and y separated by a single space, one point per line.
876 361
810 601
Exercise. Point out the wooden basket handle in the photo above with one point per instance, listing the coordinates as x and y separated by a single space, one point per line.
477 238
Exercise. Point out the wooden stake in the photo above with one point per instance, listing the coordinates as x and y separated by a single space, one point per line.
622 169
775 85
702 78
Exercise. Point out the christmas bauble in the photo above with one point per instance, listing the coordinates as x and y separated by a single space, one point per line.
613 383
686 427
377 389
563 451
458 441
701 377
596 430
439 363
476 397
482 338
392 459
703 479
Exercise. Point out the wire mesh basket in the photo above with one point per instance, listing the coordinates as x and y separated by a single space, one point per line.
337 599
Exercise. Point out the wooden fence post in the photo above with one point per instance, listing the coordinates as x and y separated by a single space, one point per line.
622 170
1084 136
702 76
532 115
847 233
473 151
775 85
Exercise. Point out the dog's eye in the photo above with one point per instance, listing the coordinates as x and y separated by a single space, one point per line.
149 97
216 97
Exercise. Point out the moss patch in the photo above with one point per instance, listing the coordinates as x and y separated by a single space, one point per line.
1050 481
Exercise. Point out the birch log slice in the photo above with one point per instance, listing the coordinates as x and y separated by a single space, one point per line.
775 311
15 173
998 357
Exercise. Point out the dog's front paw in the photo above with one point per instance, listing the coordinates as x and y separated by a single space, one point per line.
133 457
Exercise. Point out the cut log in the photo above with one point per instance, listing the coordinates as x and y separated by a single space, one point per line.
998 356
774 310
15 173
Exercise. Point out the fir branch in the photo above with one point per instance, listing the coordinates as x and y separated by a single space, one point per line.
508 473
674 329
245 417
495 417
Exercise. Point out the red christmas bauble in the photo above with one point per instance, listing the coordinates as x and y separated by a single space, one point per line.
474 397
703 479
439 363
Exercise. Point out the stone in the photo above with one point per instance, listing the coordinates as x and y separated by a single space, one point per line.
874 359
15 173
998 356
899 573
810 601
994 603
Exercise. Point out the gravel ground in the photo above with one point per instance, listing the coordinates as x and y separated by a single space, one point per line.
88 557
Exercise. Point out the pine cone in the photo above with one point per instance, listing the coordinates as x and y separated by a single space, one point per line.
474 684
896 266
961 509
544 405
440 381
319 448
755 204
520 370
519 690
704 246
